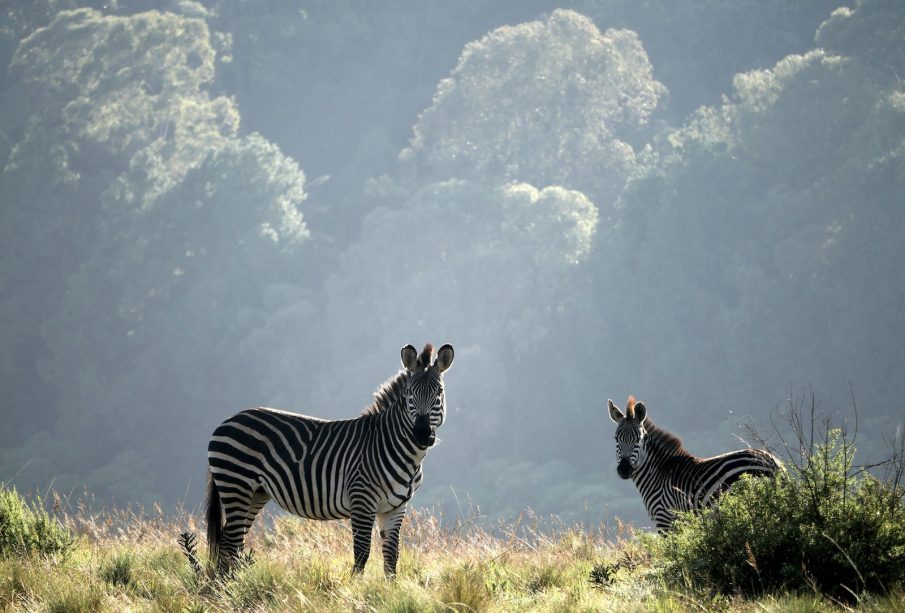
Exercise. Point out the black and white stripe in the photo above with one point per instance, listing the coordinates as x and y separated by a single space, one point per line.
669 478
364 469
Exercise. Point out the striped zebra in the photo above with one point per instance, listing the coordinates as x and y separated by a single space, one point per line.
669 478
364 468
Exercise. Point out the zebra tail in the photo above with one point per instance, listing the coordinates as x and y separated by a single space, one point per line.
214 517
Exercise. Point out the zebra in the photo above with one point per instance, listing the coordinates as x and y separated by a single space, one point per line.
362 469
669 478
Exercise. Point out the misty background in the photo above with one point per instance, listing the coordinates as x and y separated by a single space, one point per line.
206 206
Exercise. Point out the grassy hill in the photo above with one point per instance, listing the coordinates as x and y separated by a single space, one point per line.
131 561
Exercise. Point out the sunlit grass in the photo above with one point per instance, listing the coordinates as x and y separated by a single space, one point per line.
123 560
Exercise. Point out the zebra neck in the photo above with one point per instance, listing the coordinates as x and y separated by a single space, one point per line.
389 396
660 445
397 438
394 428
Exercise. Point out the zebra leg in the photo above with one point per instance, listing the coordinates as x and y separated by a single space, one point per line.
389 525
362 526
240 514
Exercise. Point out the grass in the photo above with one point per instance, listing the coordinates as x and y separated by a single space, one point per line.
123 560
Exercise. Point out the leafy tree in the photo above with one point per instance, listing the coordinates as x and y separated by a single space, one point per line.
174 227
872 33
485 269
791 184
129 91
549 102
698 46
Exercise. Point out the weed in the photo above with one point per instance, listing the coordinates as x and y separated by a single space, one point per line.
464 589
256 585
76 599
117 571
26 528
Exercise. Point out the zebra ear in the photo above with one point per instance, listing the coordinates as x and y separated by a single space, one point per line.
615 414
640 412
409 357
445 357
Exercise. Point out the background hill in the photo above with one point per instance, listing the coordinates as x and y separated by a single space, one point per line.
210 205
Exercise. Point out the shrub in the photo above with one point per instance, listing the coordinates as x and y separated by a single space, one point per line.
817 526
27 529
464 589
118 569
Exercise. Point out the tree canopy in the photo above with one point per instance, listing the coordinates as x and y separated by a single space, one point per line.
210 205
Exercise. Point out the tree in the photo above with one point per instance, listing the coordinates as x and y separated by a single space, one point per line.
173 229
872 33
486 270
761 240
552 102
698 46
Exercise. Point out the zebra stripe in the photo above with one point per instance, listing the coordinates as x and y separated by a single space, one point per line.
363 469
668 477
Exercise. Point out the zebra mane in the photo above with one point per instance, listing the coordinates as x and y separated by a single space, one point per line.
665 441
389 393
630 407
425 359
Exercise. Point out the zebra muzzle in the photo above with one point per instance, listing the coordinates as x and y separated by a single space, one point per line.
425 435
624 469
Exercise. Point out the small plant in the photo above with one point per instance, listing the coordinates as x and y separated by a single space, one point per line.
27 529
14 583
256 586
76 599
464 589
118 570
318 577
400 601
821 525
189 545
603 573
545 577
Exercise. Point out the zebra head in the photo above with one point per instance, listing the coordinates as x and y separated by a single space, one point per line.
630 436
425 402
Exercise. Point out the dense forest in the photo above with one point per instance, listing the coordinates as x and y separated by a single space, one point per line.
211 205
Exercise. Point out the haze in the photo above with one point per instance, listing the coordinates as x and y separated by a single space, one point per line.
206 206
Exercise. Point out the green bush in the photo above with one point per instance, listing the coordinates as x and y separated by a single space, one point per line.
27 529
817 526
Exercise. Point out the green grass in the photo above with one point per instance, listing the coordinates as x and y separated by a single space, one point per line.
131 561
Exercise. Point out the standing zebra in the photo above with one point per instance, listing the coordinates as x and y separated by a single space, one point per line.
362 468
669 478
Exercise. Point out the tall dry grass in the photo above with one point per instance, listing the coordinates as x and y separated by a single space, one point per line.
130 560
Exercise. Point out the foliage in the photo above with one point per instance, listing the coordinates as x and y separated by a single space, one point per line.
547 102
26 528
130 91
749 208
203 207
819 525
697 46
